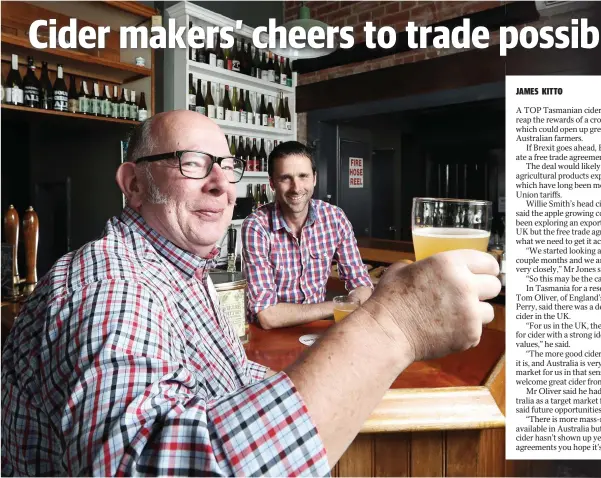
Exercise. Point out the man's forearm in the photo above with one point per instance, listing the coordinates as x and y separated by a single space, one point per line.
342 379
286 315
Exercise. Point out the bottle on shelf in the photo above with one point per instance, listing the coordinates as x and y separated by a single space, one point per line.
240 148
279 110
288 121
115 103
31 86
191 93
264 198
73 104
60 95
231 249
83 105
239 58
46 90
142 109
227 59
133 107
242 107
263 111
200 56
123 105
270 114
220 57
256 64
249 190
2 88
257 195
249 109
234 59
191 51
209 103
270 69
200 102
264 71
211 54
14 84
234 106
263 156
254 155
95 100
283 73
288 73
277 70
227 104
105 102
232 144
248 152
246 59
219 109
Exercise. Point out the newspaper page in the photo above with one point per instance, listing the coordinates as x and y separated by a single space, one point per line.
553 135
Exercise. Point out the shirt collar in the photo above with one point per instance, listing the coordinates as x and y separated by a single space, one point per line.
278 218
187 263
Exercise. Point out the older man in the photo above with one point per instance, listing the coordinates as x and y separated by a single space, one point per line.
122 363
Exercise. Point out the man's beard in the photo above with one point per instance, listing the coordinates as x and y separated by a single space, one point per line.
153 195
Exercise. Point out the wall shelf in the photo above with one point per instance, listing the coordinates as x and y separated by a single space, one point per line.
101 68
39 111
241 80
244 129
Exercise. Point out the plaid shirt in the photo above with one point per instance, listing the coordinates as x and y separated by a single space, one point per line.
121 363
282 268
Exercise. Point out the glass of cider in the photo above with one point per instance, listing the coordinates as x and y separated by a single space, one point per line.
440 224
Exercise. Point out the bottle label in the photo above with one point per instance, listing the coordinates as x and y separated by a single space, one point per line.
258 119
32 94
289 81
200 109
123 110
276 121
288 125
283 80
264 121
265 75
73 105
271 76
211 110
236 65
115 110
236 116
228 115
61 100
270 122
84 105
142 115
243 117
105 107
229 63
95 106
14 95
220 112
192 102
220 63
212 59
250 118
133 112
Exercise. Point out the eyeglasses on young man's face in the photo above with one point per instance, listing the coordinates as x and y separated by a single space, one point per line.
198 164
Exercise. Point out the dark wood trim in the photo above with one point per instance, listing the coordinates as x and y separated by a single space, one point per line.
133 7
515 13
459 70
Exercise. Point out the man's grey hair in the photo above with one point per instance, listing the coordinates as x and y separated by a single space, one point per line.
142 143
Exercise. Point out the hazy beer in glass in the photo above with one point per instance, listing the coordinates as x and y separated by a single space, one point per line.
440 225
344 305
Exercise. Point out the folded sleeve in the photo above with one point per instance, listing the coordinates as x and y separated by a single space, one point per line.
130 406
350 266
261 288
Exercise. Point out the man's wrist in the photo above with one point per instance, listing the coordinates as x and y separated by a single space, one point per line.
387 324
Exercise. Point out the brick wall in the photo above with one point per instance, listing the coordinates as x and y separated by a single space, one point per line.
394 14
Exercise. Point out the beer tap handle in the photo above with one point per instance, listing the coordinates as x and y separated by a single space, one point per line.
11 232
30 239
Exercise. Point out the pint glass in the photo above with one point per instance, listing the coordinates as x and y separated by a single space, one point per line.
446 224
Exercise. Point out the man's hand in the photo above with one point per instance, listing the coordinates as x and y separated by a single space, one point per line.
434 305
361 293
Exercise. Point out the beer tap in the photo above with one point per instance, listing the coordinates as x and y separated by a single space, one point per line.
30 240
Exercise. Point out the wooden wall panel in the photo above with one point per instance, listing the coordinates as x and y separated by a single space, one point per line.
358 458
427 454
462 449
491 453
392 454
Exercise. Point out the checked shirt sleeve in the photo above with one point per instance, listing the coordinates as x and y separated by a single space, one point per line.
128 406
350 266
262 292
